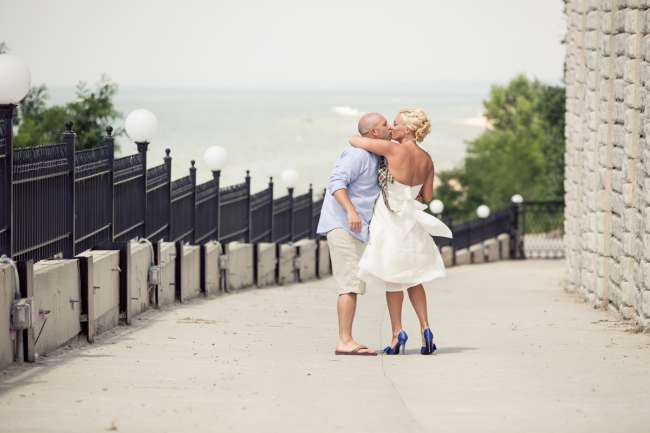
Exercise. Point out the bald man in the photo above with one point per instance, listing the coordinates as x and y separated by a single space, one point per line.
351 194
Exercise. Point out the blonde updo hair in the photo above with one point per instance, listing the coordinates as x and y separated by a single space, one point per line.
417 121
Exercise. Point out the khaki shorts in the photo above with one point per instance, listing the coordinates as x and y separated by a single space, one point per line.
345 253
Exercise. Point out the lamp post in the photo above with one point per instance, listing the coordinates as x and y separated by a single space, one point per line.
141 125
517 248
215 157
290 179
15 82
483 212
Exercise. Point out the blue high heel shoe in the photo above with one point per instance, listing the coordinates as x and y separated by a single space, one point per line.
429 347
400 347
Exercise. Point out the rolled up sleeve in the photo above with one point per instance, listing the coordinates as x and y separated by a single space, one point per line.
347 169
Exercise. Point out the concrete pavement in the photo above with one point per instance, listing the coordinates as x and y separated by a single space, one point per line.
516 354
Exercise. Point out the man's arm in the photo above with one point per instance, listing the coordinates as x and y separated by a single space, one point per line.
348 168
354 221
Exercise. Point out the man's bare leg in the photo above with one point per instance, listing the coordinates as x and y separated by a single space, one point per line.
346 307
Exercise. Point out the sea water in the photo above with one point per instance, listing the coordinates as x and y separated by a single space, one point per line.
269 131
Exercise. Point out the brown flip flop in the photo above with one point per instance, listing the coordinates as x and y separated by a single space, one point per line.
355 352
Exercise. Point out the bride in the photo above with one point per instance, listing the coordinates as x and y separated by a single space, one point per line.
401 253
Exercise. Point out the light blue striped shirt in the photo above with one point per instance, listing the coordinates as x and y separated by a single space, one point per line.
356 171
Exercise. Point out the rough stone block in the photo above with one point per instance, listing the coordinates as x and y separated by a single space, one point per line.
619 68
138 290
463 257
633 49
212 271
106 288
324 265
286 265
190 272
617 183
491 248
617 154
239 271
645 303
167 261
617 203
266 264
57 290
634 21
620 43
632 96
306 259
646 45
504 246
629 194
630 294
631 244
619 19
447 254
632 72
627 264
646 219
477 253
7 288
632 220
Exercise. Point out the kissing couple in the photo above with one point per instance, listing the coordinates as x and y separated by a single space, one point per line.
389 240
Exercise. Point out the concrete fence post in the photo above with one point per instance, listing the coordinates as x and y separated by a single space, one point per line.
26 277
87 297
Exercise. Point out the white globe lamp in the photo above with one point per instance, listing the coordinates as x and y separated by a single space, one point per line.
141 125
517 199
483 211
436 207
15 79
215 158
290 178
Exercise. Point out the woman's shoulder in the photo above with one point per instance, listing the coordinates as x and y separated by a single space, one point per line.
426 154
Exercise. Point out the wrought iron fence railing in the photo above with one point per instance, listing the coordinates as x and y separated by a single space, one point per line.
535 228
58 201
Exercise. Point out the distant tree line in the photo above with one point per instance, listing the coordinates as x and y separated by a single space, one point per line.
521 153
92 111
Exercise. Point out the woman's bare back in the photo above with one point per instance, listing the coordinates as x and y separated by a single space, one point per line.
410 164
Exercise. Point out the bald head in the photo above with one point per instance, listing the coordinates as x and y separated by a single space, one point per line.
370 121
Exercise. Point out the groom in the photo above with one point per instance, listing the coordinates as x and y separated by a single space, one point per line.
351 193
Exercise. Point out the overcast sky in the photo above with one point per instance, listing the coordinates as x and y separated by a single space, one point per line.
285 43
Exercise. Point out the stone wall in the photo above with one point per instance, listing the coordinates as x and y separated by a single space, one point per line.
607 155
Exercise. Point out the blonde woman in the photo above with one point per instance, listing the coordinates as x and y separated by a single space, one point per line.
400 252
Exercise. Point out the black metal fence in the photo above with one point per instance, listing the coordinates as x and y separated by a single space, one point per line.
477 230
532 225
57 202
541 228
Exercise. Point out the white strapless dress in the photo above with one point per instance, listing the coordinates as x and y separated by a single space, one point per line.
400 252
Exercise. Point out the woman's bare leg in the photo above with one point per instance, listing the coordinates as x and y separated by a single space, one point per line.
419 301
394 301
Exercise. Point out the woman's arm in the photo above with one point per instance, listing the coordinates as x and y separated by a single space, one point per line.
374 145
426 192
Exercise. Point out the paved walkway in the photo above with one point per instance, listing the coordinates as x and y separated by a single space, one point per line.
517 354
